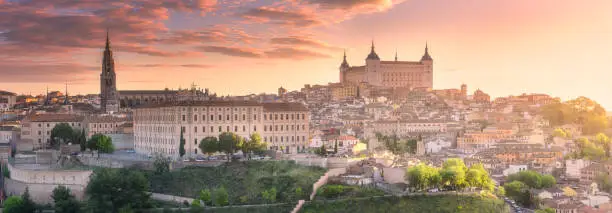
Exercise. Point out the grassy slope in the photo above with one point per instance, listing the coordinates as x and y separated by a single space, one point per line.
421 204
240 179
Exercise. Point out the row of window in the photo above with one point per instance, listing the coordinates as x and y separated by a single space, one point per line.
218 109
286 127
49 125
284 139
220 128
220 117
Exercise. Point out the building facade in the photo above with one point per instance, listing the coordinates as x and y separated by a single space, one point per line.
390 74
36 129
109 98
104 125
157 128
7 100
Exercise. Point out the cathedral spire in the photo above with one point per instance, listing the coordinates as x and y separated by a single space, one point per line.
66 95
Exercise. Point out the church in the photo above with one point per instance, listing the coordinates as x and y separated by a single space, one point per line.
390 74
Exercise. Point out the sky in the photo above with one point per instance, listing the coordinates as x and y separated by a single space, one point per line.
235 47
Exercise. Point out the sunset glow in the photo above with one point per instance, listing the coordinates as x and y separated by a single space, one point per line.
250 46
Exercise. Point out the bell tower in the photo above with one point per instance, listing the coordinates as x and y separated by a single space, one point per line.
109 98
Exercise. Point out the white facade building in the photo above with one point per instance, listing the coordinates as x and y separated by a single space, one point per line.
437 145
7 100
573 167
157 128
512 169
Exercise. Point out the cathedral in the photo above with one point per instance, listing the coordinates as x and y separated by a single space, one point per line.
390 74
109 98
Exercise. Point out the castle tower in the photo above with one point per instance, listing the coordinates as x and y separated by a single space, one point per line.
464 90
428 62
372 66
109 98
343 68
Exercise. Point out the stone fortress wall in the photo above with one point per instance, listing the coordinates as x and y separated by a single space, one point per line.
41 182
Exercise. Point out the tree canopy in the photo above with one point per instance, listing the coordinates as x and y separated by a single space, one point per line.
112 190
13 204
62 133
64 200
253 145
581 111
101 143
181 145
209 145
453 175
229 143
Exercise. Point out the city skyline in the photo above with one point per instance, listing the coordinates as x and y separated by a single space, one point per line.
502 47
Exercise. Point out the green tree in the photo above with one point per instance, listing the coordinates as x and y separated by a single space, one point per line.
518 191
111 190
253 145
530 178
546 210
13 204
322 151
101 143
558 132
500 191
603 141
64 201
209 145
61 133
161 164
28 204
270 195
229 143
548 181
206 197
221 197
298 192
105 145
604 182
181 145
82 139
421 177
196 207
336 147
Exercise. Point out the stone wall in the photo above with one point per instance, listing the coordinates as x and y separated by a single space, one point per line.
63 177
41 193
41 182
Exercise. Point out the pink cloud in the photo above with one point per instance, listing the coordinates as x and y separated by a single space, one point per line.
232 51
281 16
302 41
294 53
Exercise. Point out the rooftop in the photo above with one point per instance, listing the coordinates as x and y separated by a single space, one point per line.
55 118
276 106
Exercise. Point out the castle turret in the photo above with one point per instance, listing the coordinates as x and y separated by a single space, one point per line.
372 66
372 55
428 62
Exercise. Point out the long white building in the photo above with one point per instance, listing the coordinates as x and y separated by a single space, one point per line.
157 128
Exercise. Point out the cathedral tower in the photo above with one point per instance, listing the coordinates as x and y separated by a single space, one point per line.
109 98
344 67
